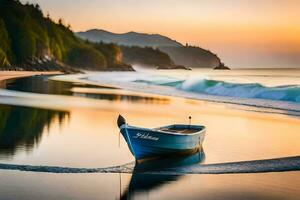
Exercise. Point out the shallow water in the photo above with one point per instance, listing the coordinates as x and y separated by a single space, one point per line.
279 92
64 134
283 85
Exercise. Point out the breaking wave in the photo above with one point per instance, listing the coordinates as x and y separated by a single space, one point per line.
285 97
245 90
203 85
290 93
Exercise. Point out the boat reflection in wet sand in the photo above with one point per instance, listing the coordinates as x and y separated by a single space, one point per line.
177 139
146 176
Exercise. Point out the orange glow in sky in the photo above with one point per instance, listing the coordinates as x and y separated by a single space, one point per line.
261 31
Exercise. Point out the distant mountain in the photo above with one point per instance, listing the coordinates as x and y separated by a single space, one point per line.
188 56
128 39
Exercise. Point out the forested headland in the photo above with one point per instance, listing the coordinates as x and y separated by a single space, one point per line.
31 41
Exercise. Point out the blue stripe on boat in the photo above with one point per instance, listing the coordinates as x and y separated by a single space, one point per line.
146 143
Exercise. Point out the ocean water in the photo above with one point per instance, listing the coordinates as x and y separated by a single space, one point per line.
245 84
59 138
278 89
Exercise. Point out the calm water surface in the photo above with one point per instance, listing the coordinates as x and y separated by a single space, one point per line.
87 136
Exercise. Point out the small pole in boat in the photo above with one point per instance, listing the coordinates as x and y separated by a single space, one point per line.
190 121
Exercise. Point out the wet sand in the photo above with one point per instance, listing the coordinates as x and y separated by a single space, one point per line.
5 75
234 133
88 137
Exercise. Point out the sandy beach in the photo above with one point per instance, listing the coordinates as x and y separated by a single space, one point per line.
4 75
74 125
154 106
98 108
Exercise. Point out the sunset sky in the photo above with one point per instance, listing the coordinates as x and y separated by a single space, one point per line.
244 33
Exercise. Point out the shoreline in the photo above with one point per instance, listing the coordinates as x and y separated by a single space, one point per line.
171 92
275 106
98 115
157 113
6 75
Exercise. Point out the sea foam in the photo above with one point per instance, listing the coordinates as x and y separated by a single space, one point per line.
285 97
245 90
290 93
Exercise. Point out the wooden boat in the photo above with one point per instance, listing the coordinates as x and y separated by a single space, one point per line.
172 140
